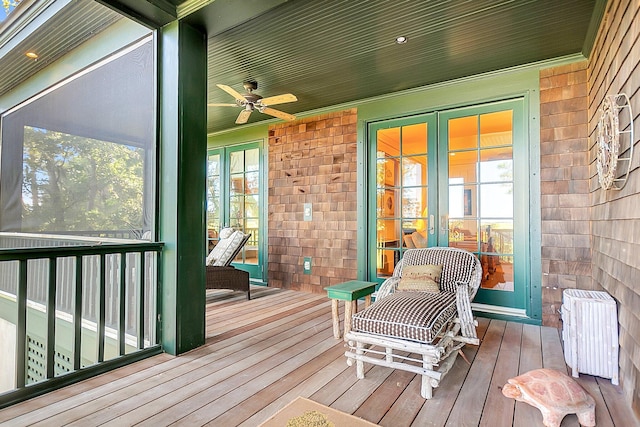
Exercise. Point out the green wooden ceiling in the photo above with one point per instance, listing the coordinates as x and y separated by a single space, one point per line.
332 52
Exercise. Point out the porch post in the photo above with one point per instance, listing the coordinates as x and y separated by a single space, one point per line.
182 175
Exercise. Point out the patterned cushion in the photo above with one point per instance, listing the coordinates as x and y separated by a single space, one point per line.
457 265
220 254
416 316
424 278
234 241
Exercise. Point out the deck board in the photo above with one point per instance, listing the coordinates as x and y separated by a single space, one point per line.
263 353
435 411
498 410
530 358
468 407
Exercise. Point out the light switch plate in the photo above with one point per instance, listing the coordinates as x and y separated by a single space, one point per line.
307 265
308 212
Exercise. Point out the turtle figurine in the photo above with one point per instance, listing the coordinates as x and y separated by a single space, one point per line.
555 394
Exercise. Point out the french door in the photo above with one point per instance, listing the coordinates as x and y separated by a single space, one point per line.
449 178
234 199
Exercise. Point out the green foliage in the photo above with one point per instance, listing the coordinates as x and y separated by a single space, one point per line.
71 183
8 4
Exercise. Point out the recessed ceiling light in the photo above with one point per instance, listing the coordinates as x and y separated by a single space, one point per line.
32 55
401 39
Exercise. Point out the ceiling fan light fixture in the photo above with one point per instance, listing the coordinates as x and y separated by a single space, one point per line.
401 39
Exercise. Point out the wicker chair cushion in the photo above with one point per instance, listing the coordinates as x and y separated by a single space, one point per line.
457 266
415 316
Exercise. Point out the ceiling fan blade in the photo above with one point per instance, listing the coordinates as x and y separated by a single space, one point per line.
222 105
277 113
231 91
243 117
278 99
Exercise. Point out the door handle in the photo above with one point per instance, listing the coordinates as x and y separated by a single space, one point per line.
444 226
432 224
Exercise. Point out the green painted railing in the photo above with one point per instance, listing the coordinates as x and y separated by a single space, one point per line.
76 306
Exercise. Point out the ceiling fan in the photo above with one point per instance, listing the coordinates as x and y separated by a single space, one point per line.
252 101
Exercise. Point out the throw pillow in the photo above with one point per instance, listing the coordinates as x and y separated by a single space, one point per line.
424 278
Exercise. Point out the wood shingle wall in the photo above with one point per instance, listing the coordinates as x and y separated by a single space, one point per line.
614 67
313 161
564 186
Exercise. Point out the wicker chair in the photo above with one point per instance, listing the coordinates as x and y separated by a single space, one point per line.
220 273
432 326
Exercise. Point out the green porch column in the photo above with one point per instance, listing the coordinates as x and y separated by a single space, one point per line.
182 175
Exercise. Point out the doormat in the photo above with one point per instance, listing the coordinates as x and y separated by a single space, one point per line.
303 412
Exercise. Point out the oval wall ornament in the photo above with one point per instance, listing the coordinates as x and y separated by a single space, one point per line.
609 148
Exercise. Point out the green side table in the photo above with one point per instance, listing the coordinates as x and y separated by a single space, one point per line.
349 292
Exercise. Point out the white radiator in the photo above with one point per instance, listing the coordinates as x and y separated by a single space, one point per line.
590 333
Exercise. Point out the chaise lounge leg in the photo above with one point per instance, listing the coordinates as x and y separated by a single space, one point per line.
389 356
427 389
359 363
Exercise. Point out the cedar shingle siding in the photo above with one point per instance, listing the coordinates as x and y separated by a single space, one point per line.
564 185
313 161
614 67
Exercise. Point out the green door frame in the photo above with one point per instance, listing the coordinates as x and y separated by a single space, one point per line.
516 300
431 120
256 271
438 194
523 82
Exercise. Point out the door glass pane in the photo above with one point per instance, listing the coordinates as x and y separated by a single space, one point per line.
464 165
496 164
481 193
251 184
237 184
213 200
236 212
496 129
236 162
252 159
463 133
497 261
414 139
401 194
244 200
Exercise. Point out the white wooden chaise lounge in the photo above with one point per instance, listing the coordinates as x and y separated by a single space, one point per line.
430 324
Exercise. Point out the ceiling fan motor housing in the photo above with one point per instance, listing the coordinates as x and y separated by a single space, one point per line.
250 85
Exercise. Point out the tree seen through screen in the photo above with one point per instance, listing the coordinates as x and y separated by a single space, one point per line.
77 184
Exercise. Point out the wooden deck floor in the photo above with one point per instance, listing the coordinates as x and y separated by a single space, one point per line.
261 354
